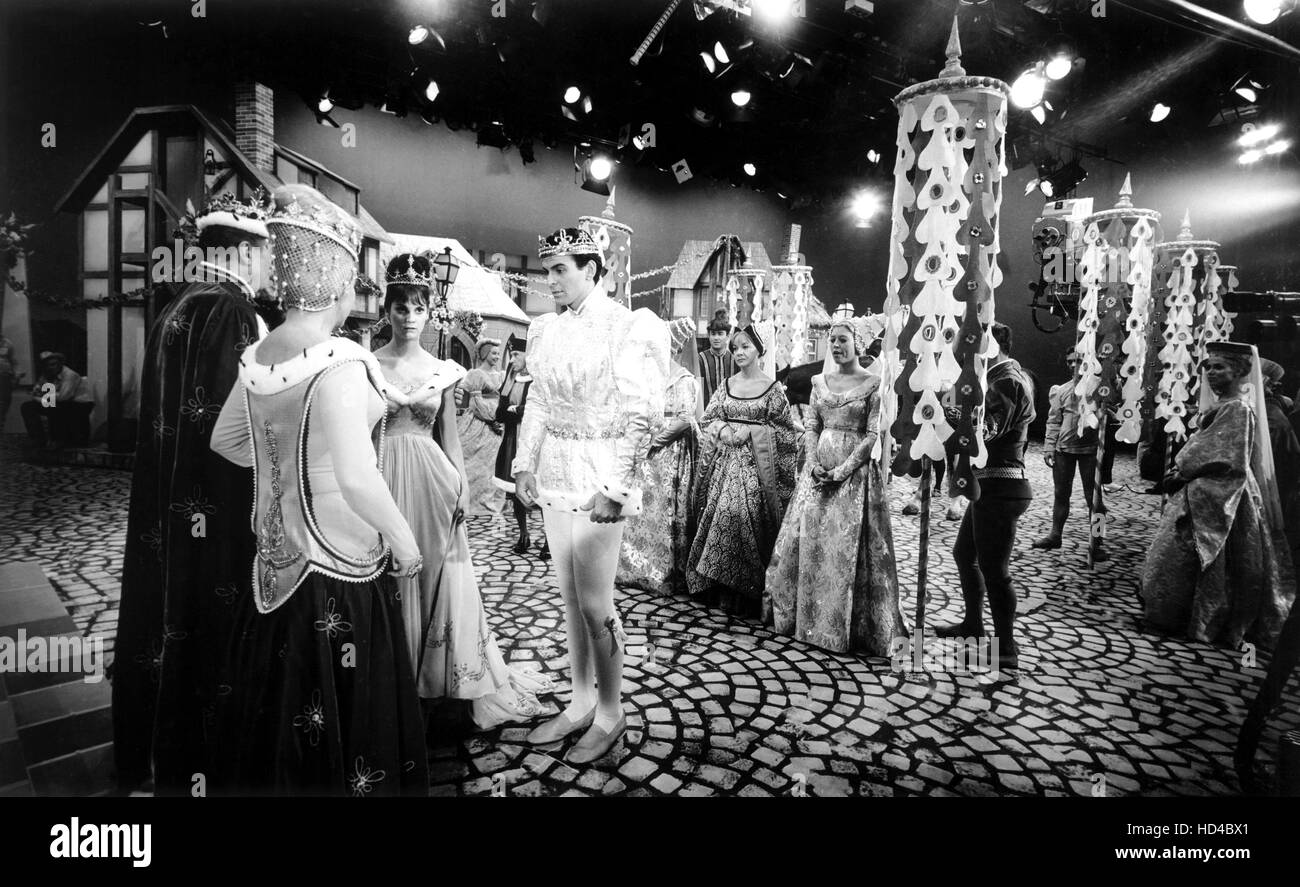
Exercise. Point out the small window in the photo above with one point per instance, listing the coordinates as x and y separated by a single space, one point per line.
142 153
95 240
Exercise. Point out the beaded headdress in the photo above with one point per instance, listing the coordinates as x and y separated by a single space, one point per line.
228 211
682 331
314 249
567 242
409 269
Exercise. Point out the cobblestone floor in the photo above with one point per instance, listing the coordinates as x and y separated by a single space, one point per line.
727 707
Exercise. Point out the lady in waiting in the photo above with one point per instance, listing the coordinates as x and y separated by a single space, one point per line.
744 480
452 648
480 433
1212 571
832 580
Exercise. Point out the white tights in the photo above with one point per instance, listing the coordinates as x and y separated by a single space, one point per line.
585 555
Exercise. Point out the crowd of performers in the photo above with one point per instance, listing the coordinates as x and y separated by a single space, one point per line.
301 657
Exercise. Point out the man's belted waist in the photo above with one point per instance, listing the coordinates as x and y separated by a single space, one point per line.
575 432
1006 473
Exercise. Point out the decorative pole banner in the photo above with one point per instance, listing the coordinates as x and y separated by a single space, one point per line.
1227 284
615 241
1114 313
943 267
1186 260
791 290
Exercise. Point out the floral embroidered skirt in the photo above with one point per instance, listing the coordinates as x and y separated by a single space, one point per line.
320 698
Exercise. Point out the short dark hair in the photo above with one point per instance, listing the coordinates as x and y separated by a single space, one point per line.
410 293
223 236
581 262
1002 335
719 322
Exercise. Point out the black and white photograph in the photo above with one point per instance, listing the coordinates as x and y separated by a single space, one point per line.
652 398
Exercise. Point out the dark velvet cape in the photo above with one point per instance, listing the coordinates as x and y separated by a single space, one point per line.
188 543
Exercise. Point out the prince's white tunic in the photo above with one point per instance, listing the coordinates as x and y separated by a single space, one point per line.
597 393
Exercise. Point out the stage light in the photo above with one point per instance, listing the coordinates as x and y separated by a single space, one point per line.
431 91
750 169
720 53
740 98
709 64
1253 135
1277 147
1028 89
324 105
601 167
586 104
1058 67
1063 180
873 156
772 8
1263 12
865 205
1046 186
1250 156
1247 93
1159 111
418 35
572 94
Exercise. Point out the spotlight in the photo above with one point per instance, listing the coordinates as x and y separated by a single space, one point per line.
1063 180
1253 135
600 168
1250 156
772 8
418 35
594 170
873 156
865 205
709 64
431 91
1248 89
1263 12
740 98
586 104
1248 93
324 105
1058 67
572 94
1159 111
750 170
1028 89
720 53
1277 147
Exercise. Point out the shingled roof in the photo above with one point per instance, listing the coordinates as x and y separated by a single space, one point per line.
695 255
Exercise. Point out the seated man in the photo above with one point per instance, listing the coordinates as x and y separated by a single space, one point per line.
62 397
1066 446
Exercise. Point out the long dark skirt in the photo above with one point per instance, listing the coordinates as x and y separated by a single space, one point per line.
321 697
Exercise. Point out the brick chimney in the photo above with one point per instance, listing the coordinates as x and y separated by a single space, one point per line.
255 123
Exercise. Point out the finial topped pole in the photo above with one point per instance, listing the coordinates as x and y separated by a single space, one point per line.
953 68
1186 232
1126 192
609 204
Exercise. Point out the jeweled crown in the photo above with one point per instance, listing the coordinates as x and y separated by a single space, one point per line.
411 269
567 242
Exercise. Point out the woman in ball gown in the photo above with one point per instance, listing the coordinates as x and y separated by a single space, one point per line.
1213 571
320 694
743 483
833 580
451 645
511 403
480 435
657 544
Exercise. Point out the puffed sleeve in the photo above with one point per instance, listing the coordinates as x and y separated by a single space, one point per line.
640 371
533 426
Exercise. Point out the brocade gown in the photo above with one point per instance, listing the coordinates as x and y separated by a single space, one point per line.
479 439
832 581
447 633
657 544
1212 571
741 493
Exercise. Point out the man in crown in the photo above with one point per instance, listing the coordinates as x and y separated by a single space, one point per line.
598 373
188 542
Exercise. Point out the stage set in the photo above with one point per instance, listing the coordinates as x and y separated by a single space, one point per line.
678 397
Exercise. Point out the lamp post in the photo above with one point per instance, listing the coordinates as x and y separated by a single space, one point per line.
445 268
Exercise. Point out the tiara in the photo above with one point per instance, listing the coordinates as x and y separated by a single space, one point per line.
567 242
332 224
409 275
256 208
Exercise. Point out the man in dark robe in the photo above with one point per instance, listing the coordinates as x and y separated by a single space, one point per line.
715 361
1286 450
189 541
